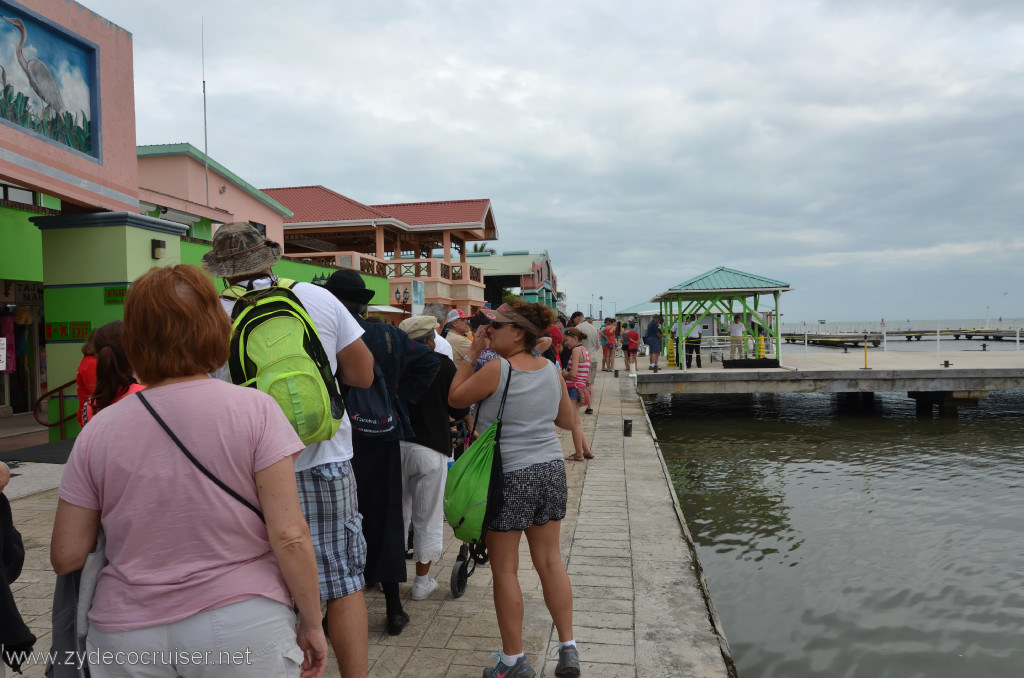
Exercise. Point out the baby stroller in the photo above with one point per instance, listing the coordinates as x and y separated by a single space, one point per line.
470 555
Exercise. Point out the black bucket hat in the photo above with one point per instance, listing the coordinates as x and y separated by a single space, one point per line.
347 285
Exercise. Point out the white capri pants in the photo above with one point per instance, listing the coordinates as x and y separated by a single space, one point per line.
254 637
424 472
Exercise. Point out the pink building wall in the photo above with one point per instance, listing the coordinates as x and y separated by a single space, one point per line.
184 178
110 181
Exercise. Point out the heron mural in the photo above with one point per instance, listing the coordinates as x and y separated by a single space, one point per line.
46 79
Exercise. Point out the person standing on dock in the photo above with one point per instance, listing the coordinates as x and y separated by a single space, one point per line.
535 491
630 344
653 339
609 341
736 338
693 335
592 342
458 328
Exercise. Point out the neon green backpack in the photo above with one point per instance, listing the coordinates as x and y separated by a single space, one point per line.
275 348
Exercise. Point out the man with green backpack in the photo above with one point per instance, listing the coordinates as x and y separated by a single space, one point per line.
289 340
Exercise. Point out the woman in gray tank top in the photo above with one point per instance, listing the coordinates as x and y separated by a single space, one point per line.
535 492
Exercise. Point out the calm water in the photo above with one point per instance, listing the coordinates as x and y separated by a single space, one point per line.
844 540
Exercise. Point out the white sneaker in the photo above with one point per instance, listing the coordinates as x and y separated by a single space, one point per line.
419 592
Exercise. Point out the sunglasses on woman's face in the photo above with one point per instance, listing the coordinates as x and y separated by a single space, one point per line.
498 326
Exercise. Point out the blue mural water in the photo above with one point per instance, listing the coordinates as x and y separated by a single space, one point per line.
47 79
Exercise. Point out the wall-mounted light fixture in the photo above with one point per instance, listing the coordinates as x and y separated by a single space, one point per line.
159 248
223 190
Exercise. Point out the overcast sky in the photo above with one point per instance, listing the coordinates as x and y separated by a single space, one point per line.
868 153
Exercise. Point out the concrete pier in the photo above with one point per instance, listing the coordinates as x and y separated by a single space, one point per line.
642 607
948 379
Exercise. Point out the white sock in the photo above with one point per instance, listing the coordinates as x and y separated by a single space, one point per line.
569 642
421 580
510 660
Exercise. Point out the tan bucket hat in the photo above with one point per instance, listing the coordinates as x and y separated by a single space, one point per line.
239 249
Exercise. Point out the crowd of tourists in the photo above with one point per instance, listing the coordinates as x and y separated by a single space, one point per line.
212 517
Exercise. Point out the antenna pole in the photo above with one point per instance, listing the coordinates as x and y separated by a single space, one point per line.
206 145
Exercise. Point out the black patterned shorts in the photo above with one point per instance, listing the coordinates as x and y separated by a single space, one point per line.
532 496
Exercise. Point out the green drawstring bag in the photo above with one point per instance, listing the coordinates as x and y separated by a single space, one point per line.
472 493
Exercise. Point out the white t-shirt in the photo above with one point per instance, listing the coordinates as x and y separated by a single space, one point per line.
736 330
442 346
337 329
591 339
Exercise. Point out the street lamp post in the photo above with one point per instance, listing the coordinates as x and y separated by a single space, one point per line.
402 297
601 307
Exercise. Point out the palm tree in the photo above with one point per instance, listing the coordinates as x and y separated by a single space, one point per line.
482 248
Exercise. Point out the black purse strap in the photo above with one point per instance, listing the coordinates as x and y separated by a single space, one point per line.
501 408
195 461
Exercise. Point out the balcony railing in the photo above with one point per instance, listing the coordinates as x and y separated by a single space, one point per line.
395 268
456 271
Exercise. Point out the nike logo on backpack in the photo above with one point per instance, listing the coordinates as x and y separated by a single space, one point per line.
271 342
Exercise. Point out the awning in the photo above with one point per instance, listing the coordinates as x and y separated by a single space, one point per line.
384 309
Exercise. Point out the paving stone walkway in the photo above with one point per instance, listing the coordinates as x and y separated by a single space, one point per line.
639 602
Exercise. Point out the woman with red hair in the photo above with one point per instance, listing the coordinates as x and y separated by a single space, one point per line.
214 566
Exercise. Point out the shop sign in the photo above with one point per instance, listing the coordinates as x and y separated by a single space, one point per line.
28 293
70 331
114 295
419 297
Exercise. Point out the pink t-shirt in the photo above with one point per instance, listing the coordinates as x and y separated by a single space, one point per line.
87 413
177 543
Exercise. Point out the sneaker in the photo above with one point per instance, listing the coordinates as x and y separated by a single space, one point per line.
419 592
521 669
568 660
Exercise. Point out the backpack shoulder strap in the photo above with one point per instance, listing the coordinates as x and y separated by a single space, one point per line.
240 291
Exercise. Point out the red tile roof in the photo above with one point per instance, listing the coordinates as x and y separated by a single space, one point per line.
317 203
312 204
438 213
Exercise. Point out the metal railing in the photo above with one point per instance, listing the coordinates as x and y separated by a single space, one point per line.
59 391
396 268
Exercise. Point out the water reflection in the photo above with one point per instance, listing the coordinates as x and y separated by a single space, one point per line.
851 538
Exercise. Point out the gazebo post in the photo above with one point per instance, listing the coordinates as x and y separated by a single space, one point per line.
680 343
778 325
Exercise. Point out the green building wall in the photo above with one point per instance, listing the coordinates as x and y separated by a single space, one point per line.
21 255
87 262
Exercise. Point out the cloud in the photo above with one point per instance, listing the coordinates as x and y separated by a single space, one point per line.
642 144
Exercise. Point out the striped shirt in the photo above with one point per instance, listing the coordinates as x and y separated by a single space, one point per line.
582 370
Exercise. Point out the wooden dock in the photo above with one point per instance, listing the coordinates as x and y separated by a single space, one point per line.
924 376
854 339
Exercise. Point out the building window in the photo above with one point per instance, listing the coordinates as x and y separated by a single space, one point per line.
262 228
18 194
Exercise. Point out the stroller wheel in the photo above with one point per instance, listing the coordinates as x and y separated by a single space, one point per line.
460 575
478 552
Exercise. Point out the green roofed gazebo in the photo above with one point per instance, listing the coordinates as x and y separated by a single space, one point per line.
729 292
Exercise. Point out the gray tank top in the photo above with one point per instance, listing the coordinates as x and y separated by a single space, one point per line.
528 433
